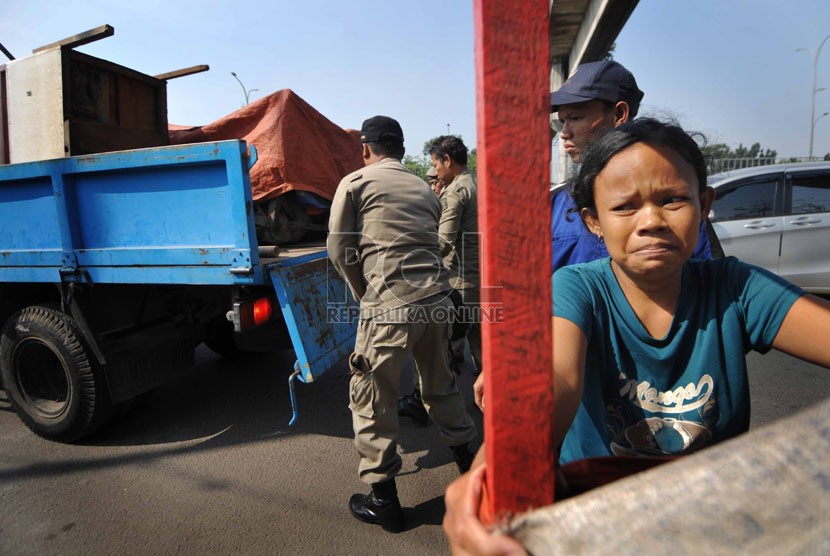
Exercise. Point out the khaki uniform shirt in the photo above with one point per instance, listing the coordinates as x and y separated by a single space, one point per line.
383 237
458 231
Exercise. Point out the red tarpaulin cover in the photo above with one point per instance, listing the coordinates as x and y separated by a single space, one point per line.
298 148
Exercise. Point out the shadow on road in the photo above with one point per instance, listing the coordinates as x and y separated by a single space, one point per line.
221 403
233 401
430 512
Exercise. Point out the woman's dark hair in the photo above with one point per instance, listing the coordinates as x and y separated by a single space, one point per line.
642 130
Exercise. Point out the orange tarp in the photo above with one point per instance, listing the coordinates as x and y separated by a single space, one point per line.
298 148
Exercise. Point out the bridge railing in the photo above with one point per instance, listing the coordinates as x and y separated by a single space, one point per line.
717 165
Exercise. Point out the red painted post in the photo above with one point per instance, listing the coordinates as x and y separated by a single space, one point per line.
513 98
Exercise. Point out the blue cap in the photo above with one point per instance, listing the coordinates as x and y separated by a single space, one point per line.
606 80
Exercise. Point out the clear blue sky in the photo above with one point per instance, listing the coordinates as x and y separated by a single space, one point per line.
727 68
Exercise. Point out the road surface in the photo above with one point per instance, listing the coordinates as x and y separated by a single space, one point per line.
208 465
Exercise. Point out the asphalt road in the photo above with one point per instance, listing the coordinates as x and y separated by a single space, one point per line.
208 465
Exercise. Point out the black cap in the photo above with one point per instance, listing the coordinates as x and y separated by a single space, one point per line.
607 80
380 128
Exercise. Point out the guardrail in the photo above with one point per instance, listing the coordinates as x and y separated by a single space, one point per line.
717 165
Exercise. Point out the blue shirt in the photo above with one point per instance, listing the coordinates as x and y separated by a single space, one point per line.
656 396
573 243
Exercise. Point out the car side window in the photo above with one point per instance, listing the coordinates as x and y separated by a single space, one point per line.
810 193
755 199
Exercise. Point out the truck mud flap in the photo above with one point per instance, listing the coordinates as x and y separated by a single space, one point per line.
319 311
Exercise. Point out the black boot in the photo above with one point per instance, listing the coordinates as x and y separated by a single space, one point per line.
463 457
381 506
412 406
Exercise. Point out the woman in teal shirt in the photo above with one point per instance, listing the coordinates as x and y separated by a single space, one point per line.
650 346
664 336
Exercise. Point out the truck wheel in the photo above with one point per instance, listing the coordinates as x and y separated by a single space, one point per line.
55 387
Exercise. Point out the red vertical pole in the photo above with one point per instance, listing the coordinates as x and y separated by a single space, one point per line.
513 98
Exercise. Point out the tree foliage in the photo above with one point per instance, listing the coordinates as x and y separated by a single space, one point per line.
722 150
722 157
417 165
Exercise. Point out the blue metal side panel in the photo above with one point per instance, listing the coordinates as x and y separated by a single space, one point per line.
319 311
180 214
153 207
20 200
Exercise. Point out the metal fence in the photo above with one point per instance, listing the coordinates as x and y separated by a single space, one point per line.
714 165
717 165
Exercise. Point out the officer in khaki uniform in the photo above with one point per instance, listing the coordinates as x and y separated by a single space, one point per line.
383 240
458 234
458 227
434 183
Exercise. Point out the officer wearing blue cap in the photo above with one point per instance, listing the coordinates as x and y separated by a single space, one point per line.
383 239
597 98
594 100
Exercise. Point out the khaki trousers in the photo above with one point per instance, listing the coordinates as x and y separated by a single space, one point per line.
381 349
472 299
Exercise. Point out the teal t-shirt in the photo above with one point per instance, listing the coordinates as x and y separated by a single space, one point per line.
657 396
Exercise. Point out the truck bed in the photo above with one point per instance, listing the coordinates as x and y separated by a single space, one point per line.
168 215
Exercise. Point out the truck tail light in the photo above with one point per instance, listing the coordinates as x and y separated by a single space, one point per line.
263 310
250 314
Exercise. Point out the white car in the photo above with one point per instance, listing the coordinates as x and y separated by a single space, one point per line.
777 217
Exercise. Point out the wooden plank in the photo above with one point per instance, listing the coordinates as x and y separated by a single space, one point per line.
88 137
105 65
6 52
80 39
137 104
512 91
765 492
182 72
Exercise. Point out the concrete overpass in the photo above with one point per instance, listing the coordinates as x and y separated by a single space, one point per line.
583 31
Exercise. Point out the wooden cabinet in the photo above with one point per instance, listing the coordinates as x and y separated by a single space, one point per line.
60 102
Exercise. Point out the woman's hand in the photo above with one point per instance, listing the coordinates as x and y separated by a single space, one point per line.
462 526
478 391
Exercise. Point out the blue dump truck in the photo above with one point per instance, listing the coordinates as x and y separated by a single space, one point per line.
114 267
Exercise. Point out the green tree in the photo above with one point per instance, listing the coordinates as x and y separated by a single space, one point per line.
722 150
721 157
754 152
427 145
717 151
417 165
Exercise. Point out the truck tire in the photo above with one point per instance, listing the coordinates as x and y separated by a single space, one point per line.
53 384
